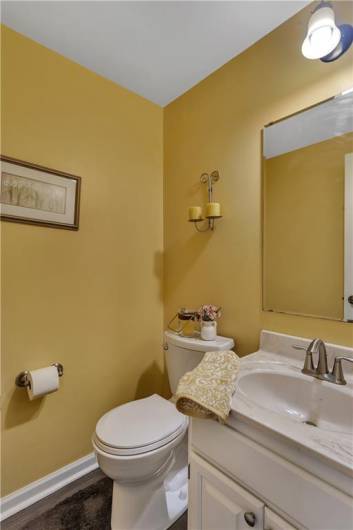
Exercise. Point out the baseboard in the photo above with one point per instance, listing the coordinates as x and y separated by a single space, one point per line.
35 491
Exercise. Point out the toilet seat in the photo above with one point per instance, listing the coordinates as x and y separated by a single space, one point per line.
139 427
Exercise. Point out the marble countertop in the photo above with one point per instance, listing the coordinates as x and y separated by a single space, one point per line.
328 447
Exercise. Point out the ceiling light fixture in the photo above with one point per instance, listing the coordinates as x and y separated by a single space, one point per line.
325 40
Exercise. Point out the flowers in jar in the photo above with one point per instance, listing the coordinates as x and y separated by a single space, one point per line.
209 312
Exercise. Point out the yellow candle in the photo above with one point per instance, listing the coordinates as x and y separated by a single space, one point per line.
195 213
213 209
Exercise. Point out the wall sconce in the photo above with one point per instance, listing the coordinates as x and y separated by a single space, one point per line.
213 209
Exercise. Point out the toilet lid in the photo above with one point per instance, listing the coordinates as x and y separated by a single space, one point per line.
139 426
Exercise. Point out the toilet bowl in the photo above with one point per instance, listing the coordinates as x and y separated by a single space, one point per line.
142 446
136 446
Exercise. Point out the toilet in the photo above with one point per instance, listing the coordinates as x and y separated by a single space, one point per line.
142 446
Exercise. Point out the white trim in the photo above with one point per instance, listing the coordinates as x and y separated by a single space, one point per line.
348 236
35 491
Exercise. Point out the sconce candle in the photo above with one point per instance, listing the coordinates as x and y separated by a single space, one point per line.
195 213
213 209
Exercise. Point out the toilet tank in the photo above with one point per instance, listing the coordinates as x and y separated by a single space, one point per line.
184 354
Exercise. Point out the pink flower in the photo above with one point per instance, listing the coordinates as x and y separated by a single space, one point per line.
209 312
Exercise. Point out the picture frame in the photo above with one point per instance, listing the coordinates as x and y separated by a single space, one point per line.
38 195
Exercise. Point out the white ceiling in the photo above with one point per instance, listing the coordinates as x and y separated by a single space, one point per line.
157 49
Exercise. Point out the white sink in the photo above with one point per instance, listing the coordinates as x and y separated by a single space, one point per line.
301 398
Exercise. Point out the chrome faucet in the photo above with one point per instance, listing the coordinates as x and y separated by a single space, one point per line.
321 371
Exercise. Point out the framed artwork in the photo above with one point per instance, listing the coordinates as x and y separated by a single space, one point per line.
38 195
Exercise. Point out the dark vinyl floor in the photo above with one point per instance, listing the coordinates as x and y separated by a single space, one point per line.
82 505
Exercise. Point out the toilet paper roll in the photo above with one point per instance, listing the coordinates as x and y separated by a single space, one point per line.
42 381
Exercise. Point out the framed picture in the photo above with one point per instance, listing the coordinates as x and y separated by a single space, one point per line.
38 195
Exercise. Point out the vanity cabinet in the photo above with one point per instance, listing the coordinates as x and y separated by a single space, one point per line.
275 522
219 503
237 484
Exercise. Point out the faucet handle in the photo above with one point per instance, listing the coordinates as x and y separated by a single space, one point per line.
337 371
308 367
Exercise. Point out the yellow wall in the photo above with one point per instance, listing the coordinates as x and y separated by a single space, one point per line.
79 297
304 229
217 125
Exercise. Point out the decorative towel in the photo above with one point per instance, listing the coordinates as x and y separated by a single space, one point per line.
206 392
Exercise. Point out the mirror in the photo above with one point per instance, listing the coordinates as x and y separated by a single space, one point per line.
308 211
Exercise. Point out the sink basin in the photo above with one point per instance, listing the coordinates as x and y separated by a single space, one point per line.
301 398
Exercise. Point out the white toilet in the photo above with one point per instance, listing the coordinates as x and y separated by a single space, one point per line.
142 446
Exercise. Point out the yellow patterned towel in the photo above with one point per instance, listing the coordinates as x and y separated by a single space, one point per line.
206 392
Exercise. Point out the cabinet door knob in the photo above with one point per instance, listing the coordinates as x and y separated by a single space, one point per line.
250 518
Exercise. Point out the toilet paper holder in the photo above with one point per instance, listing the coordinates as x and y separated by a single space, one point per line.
22 379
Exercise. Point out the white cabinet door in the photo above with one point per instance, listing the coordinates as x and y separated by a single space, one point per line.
218 503
275 522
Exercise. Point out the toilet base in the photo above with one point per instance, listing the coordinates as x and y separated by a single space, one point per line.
155 504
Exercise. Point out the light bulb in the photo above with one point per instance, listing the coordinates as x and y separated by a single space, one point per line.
323 35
